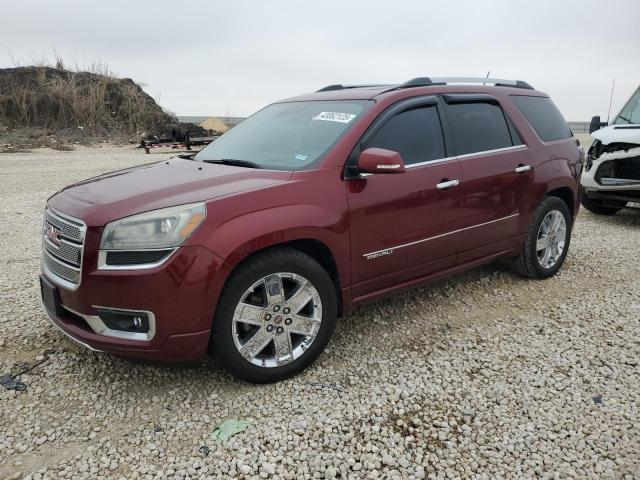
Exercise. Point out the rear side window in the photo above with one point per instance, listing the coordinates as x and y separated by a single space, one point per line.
416 134
544 117
477 127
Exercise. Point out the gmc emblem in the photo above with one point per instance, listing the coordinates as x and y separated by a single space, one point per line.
53 234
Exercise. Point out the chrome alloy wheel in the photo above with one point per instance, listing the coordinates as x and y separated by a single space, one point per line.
552 236
277 319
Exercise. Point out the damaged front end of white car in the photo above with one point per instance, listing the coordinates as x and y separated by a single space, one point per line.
611 175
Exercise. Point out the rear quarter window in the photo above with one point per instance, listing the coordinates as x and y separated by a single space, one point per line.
544 117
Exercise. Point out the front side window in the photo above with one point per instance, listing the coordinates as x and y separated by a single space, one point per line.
544 117
416 134
630 113
477 127
286 136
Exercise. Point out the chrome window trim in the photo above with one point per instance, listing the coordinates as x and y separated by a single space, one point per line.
495 150
465 155
388 251
430 162
99 328
103 265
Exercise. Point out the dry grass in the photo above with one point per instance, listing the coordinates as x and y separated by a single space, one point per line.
55 98
61 146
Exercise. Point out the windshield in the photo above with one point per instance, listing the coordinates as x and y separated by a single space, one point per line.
630 113
286 136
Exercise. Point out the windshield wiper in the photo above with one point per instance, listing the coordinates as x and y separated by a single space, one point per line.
624 118
235 162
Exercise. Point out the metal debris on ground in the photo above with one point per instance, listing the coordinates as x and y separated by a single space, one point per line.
11 382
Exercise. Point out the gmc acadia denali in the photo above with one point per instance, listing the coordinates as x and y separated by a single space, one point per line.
253 247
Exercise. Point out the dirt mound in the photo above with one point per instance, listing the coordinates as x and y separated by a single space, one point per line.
55 99
214 123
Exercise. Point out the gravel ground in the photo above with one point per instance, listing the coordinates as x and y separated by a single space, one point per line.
484 375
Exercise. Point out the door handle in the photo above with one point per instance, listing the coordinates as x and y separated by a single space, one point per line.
523 168
447 184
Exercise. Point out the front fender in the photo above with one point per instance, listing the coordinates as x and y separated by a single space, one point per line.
241 236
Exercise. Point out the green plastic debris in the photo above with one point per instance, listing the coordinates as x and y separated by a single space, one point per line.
228 429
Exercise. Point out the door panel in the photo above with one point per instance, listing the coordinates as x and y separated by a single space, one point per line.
493 194
402 226
489 150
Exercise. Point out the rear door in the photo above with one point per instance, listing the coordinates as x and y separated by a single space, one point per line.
405 226
497 171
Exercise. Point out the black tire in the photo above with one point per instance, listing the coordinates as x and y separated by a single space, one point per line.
599 207
276 260
527 263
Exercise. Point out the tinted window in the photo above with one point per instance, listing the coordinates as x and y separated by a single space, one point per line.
544 117
477 127
416 134
515 136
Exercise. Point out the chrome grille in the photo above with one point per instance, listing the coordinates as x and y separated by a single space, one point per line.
69 228
62 270
66 251
62 247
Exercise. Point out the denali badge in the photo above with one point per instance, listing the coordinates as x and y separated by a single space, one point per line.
381 253
53 234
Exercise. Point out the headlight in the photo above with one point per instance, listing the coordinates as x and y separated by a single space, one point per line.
164 228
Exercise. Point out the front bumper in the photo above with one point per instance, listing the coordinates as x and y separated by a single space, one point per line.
181 295
593 180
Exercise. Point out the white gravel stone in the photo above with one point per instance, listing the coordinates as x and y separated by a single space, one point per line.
485 375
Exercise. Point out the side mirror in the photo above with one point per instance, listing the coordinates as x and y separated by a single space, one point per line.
596 124
380 160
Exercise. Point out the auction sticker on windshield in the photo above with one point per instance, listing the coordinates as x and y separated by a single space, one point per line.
335 117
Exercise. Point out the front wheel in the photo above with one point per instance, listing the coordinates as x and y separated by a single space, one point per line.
547 242
275 316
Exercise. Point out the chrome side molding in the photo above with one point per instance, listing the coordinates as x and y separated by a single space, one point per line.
390 250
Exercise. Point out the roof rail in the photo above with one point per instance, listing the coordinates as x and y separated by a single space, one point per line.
429 81
329 88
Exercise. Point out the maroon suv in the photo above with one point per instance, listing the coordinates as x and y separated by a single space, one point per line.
252 248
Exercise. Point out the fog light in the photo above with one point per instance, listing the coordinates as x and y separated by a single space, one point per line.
125 321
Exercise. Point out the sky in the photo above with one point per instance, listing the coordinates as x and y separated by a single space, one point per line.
232 58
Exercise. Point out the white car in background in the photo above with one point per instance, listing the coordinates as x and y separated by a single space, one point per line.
611 175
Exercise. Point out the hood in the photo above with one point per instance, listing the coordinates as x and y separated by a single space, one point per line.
119 194
618 134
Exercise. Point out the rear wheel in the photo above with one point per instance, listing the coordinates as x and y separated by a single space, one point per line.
275 316
547 242
600 207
